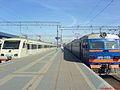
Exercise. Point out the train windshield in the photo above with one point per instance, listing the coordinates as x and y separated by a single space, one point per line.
97 45
11 44
112 45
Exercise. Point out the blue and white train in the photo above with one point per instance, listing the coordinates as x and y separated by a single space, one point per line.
100 51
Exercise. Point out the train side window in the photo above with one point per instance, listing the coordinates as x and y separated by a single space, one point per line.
45 46
39 46
28 46
34 46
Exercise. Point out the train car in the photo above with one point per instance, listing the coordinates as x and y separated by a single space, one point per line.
100 51
20 47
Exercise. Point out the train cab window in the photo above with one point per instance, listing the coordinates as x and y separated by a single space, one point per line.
112 45
12 44
97 45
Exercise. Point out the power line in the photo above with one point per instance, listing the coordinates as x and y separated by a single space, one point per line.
94 8
9 12
101 11
2 19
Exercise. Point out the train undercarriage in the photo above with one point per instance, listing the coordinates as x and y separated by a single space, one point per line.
106 70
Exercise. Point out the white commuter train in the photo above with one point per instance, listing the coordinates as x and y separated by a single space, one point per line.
20 47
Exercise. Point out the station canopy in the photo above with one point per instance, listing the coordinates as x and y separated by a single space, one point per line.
6 35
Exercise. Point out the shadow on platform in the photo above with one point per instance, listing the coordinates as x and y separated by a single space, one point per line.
68 56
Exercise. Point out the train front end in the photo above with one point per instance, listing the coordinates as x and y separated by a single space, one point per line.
104 54
10 49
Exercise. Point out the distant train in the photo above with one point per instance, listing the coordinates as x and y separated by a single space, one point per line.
20 47
100 51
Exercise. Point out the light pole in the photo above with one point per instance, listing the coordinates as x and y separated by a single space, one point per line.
57 35
39 37
61 36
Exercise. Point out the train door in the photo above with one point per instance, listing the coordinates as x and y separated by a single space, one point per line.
80 51
24 49
84 49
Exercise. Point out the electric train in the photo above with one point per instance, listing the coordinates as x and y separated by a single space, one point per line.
20 47
100 51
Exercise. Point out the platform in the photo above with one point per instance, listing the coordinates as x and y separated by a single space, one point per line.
52 70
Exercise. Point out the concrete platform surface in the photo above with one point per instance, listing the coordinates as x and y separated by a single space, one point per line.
52 70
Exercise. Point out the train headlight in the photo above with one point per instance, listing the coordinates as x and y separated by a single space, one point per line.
2 54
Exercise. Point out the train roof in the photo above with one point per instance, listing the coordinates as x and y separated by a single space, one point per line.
30 41
97 36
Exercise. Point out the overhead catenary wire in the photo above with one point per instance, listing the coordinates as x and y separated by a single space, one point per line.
94 8
101 11
2 19
9 11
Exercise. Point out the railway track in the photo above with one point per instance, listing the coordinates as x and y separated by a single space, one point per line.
112 80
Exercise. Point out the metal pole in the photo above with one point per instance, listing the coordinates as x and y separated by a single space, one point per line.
57 34
61 36
100 29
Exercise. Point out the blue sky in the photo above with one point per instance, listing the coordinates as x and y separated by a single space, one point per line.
68 12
